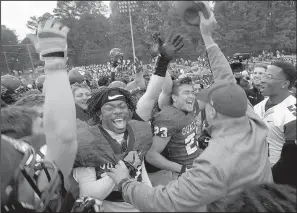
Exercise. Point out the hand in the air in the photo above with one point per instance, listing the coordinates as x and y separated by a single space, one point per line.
51 38
119 172
207 25
170 46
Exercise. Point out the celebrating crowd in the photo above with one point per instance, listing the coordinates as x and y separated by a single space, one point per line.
209 139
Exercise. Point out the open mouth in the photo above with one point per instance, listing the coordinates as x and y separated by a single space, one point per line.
190 103
120 123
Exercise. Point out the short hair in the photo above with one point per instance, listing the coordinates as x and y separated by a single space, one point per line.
76 86
260 198
17 120
179 82
288 69
34 100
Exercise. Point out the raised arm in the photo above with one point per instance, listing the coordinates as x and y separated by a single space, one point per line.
220 67
164 97
139 81
166 53
59 108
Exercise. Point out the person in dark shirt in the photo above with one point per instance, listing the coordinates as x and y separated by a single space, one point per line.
254 94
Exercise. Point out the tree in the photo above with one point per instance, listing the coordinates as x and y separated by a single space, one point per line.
87 26
32 24
8 38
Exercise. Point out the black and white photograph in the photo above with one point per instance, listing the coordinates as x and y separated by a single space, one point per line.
148 106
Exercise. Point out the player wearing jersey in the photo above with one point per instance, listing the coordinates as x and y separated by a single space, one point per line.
278 111
117 136
174 133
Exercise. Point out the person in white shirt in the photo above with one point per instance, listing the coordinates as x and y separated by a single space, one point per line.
278 111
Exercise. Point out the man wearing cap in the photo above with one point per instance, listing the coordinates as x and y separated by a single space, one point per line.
236 154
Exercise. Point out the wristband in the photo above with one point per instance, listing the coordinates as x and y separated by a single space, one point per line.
161 66
121 184
53 66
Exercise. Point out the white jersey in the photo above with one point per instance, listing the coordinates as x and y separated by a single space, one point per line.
276 118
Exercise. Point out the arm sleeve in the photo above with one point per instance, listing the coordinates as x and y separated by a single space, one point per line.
89 186
290 130
164 126
201 185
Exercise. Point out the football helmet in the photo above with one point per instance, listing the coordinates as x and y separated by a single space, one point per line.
78 75
10 82
116 57
19 166
117 84
39 82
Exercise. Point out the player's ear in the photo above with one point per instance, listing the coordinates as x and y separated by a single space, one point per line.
212 111
173 98
286 84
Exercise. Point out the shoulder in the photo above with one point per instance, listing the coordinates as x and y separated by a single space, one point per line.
285 112
168 112
262 103
87 134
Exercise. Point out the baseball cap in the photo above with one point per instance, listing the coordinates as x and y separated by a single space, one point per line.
228 98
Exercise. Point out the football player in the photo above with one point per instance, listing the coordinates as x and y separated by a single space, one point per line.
278 111
174 134
117 136
11 87
39 82
78 75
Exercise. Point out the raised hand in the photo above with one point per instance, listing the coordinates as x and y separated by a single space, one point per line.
207 25
51 39
170 46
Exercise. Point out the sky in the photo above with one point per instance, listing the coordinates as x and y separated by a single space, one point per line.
15 14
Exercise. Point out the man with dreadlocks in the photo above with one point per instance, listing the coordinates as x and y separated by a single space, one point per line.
121 134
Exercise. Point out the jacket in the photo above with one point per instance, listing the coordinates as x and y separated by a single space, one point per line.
237 156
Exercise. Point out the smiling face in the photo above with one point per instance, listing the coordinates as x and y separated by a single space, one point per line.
81 96
273 82
184 99
257 75
114 116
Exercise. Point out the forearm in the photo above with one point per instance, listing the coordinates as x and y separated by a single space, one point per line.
159 161
59 120
220 67
164 97
201 185
59 107
147 101
89 186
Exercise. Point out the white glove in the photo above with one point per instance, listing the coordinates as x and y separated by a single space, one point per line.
50 38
